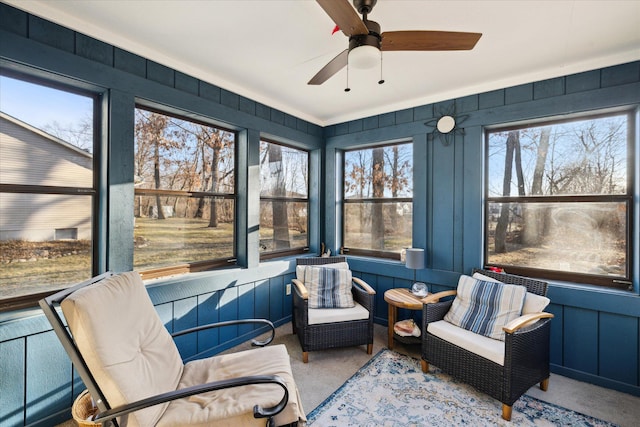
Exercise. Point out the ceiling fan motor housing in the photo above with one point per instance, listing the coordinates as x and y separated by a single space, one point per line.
371 39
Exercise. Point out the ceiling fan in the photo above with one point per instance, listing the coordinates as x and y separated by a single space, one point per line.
366 41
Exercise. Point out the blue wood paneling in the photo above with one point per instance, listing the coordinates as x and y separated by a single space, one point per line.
618 347
208 313
580 339
246 306
261 296
12 379
287 306
442 205
185 316
228 310
557 336
548 88
589 80
48 380
276 298
51 34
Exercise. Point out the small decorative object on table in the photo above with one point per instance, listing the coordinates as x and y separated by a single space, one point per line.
407 328
420 289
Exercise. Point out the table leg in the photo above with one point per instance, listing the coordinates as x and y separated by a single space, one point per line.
392 321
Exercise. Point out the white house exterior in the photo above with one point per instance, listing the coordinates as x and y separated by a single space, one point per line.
30 156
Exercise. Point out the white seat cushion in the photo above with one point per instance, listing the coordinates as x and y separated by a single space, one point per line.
330 315
234 406
479 344
124 343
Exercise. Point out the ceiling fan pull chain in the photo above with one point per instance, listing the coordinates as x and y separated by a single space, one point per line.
347 89
381 79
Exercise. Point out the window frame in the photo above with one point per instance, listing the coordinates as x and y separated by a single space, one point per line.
204 265
616 282
371 200
299 250
48 80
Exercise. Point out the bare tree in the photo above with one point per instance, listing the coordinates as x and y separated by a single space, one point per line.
503 220
535 220
280 218
378 182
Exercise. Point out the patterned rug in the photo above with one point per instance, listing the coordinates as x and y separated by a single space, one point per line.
391 390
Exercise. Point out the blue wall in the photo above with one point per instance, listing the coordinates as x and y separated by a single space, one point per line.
595 331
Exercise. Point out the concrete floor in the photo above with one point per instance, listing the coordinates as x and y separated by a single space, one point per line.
328 370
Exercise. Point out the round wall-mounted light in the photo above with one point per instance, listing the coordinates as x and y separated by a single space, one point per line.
446 124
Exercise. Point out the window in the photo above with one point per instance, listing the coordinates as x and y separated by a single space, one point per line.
559 199
284 203
184 204
47 190
378 200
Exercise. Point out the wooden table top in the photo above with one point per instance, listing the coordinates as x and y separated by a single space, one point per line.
403 298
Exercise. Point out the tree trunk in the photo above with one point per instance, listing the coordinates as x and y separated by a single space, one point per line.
279 208
205 184
395 186
156 177
503 221
213 213
377 219
535 220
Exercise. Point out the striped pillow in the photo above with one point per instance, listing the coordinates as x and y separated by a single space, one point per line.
485 307
328 287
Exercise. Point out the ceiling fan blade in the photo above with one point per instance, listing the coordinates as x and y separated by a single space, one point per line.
335 65
345 16
428 40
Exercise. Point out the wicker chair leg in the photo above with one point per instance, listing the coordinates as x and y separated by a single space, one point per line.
369 348
544 384
506 412
305 357
425 366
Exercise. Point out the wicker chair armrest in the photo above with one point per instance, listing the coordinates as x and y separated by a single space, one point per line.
362 296
258 411
433 298
254 342
302 289
364 285
434 311
525 320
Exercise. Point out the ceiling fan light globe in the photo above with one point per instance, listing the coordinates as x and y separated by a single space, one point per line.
364 57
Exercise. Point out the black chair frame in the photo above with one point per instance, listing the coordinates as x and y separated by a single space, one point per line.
108 415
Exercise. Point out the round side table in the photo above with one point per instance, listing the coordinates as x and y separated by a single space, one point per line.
400 298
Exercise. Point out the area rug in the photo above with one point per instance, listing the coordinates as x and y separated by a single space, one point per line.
392 391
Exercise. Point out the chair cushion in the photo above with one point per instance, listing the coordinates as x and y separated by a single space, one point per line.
234 406
328 287
124 343
339 265
482 346
533 303
330 315
484 307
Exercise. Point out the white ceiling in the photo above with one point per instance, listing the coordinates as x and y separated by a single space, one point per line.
267 50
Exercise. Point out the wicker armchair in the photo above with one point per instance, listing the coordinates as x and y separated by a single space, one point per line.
526 349
331 334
